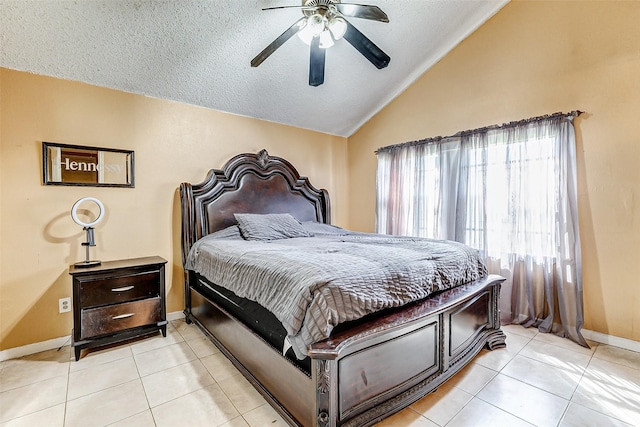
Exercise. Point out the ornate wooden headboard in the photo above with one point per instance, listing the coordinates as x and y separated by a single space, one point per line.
248 183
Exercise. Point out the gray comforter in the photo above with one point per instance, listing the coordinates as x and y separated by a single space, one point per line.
312 284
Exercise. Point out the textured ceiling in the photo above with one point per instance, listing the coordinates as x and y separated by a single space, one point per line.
198 52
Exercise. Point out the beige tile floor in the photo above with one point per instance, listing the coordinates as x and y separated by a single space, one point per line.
538 380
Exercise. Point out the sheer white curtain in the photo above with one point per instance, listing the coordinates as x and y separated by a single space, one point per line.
416 181
507 191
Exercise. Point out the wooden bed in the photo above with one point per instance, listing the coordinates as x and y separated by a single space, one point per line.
361 374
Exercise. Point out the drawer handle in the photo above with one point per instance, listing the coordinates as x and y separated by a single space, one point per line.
123 289
122 316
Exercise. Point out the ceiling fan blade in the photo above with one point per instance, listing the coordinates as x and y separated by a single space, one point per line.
279 41
366 47
363 11
316 63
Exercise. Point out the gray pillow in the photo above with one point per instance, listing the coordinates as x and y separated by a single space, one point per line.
230 233
269 226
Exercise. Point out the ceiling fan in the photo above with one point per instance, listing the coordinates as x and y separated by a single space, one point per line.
324 23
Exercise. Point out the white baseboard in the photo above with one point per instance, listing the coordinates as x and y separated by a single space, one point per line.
25 350
599 337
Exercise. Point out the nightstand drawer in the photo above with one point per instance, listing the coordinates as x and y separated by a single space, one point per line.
113 290
114 318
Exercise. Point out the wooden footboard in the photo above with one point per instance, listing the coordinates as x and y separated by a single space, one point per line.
372 370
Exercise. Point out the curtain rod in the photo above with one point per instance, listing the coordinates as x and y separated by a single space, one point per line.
437 139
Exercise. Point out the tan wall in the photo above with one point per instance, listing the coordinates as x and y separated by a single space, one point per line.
530 59
173 143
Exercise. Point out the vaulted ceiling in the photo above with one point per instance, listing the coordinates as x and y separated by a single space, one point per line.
199 52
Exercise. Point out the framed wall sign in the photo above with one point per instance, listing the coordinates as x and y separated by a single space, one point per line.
64 164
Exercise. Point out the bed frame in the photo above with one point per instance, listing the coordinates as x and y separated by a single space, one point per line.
362 374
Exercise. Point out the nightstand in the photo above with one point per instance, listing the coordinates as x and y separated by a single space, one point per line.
117 301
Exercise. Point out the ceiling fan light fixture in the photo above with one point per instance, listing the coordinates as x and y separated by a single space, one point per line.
338 27
326 41
316 24
313 27
305 36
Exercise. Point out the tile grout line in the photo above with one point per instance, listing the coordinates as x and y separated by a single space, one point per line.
499 372
564 412
593 356
570 401
66 396
144 390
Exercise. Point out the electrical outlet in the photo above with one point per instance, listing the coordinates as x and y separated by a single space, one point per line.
64 304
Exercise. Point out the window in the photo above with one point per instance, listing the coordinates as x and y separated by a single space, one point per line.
508 191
